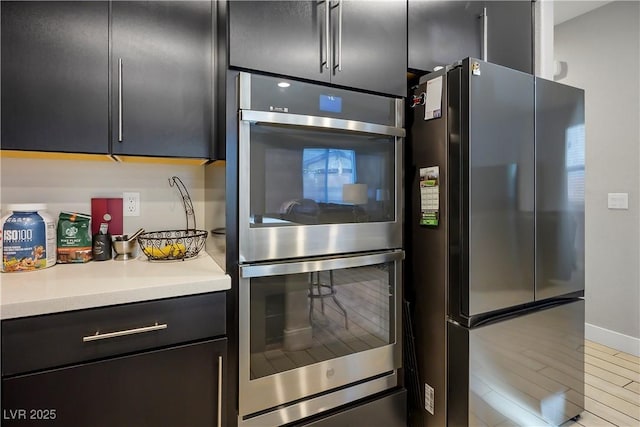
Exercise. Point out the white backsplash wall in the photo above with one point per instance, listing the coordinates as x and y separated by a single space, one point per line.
69 185
215 215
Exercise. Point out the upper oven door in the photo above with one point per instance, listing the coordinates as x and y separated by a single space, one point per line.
317 184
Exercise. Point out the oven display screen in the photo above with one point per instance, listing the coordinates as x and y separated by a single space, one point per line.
330 103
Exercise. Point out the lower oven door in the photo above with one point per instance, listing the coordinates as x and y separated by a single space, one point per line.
313 326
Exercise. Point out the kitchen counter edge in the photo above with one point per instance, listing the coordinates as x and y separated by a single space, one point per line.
95 284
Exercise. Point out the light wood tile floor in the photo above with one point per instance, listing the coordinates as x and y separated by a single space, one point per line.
612 388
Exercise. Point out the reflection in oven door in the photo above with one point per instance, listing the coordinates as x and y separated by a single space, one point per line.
314 326
293 326
310 176
311 192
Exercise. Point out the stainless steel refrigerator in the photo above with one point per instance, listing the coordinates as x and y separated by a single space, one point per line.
495 238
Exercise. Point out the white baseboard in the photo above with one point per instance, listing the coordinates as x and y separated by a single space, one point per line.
612 339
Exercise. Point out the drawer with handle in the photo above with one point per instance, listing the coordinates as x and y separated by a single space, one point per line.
40 342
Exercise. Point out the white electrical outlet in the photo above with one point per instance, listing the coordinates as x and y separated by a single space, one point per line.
130 204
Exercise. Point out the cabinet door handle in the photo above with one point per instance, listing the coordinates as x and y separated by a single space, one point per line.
339 65
119 99
485 34
220 390
98 336
327 39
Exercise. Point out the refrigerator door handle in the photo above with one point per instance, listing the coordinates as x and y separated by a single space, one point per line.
263 270
477 321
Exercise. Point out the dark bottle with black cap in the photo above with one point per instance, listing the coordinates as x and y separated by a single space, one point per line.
101 244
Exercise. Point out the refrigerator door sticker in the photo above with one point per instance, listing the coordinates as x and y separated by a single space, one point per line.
429 195
475 69
428 398
433 101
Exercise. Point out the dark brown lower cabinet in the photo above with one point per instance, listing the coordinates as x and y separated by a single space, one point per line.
175 386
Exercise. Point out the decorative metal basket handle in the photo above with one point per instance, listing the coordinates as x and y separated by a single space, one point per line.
186 201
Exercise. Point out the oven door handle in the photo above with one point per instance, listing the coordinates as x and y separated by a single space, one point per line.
263 270
299 120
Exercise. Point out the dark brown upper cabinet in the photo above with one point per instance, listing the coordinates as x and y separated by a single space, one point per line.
55 76
63 90
355 44
443 32
161 68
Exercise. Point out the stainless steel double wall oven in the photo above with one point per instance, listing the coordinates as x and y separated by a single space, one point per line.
320 247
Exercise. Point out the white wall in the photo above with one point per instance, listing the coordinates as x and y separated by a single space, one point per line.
602 53
544 17
69 185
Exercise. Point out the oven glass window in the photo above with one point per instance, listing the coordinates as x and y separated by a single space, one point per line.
325 172
305 176
301 319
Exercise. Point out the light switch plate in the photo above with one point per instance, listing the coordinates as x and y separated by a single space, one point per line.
618 200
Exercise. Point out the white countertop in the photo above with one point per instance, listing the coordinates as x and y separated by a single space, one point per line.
66 287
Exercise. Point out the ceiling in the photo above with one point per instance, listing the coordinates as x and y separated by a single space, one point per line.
563 10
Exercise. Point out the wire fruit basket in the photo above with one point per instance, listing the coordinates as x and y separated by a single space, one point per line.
171 245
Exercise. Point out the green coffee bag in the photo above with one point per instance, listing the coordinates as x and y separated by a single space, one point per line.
74 237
